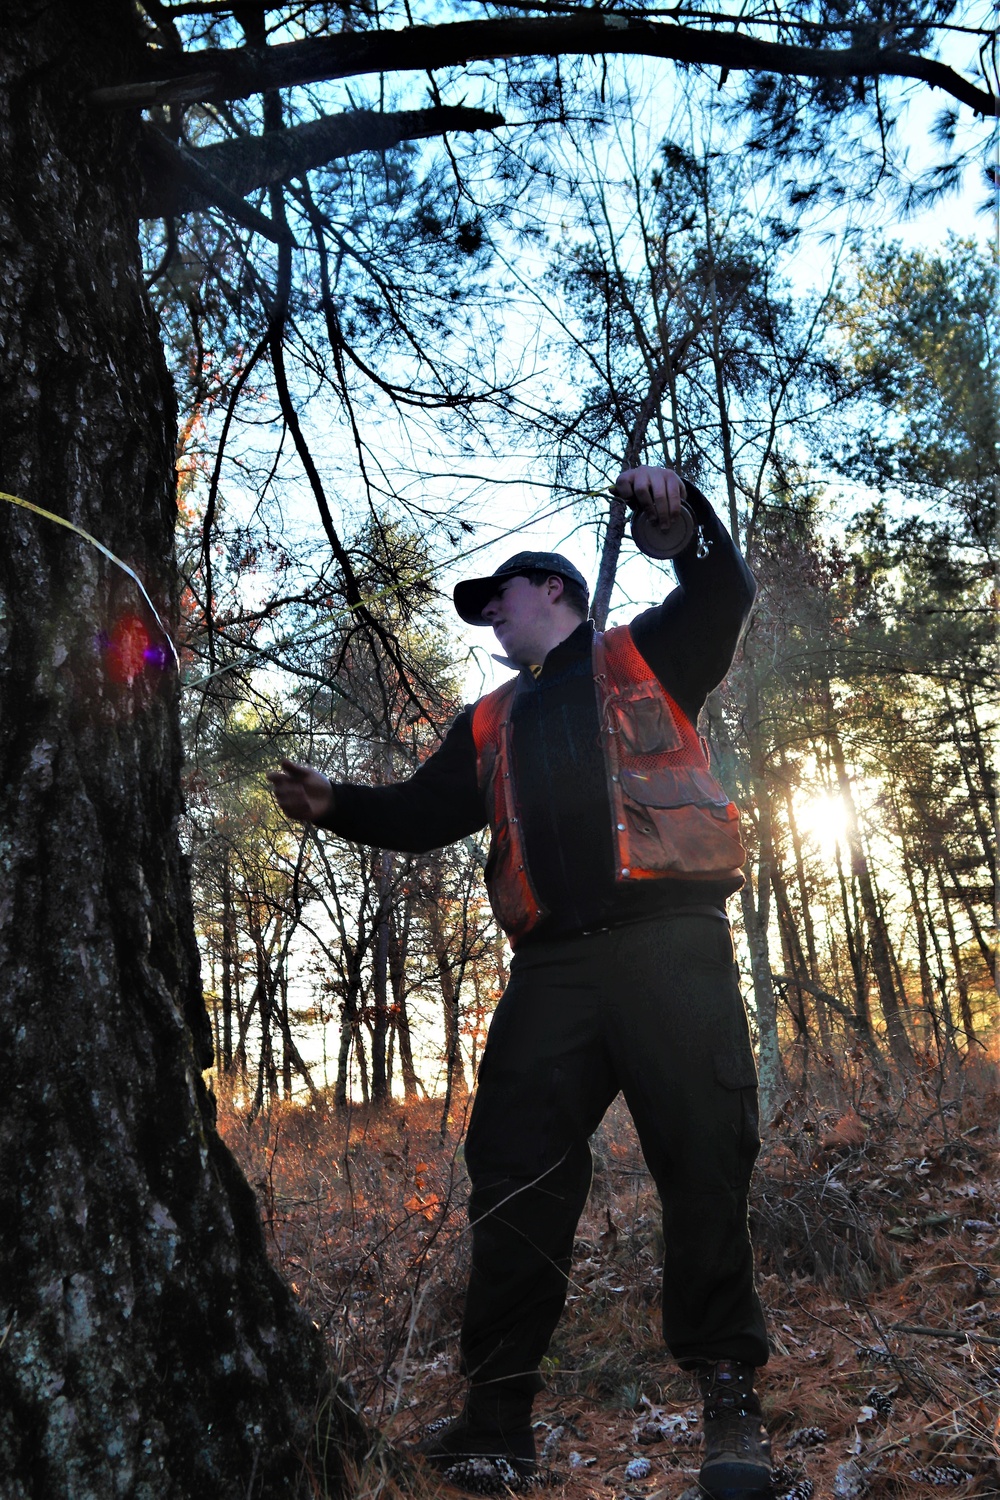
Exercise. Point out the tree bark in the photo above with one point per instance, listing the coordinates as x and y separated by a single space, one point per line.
151 1351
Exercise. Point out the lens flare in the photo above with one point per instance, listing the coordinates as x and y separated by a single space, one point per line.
129 650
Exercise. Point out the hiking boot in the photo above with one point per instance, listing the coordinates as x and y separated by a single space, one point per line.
737 1463
493 1432
462 1439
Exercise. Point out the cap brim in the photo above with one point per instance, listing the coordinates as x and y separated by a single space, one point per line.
472 596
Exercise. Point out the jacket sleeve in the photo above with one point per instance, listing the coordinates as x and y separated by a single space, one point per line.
438 804
690 639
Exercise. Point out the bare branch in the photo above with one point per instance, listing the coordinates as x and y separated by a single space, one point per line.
216 75
833 1001
177 182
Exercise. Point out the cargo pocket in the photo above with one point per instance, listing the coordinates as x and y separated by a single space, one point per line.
736 1071
735 1068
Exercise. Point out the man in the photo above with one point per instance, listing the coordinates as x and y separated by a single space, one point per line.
613 851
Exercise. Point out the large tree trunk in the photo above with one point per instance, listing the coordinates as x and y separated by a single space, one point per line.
151 1351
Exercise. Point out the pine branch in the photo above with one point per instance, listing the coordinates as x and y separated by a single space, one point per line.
178 182
217 75
187 180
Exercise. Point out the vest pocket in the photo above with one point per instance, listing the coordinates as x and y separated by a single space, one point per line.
670 786
644 723
696 841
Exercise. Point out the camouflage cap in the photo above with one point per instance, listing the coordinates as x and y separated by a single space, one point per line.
474 594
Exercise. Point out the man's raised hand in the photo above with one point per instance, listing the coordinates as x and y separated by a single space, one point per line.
657 492
301 792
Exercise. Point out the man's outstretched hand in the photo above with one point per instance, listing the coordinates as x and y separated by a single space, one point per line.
657 492
301 792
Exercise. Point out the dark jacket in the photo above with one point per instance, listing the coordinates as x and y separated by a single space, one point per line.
670 818
688 641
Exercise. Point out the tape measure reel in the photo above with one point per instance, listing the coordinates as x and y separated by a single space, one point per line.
662 542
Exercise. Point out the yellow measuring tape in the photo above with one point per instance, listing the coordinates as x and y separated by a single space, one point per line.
50 515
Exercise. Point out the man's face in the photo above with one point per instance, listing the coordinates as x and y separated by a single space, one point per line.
522 618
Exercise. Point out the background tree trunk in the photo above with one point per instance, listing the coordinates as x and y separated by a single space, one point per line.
878 936
230 964
151 1350
399 944
382 875
614 532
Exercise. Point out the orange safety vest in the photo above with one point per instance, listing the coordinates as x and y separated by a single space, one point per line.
671 819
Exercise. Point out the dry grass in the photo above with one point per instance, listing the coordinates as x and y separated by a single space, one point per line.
872 1221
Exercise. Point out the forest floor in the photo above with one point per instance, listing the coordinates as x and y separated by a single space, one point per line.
877 1224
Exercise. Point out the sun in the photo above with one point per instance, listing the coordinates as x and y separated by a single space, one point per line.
822 818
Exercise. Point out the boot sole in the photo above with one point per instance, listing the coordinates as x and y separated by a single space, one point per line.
736 1481
740 1493
480 1475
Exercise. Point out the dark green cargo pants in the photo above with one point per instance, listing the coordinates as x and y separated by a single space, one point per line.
652 1010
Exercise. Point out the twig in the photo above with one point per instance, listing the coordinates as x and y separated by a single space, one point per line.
943 1333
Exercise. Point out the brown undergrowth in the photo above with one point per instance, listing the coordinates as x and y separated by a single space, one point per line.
877 1223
